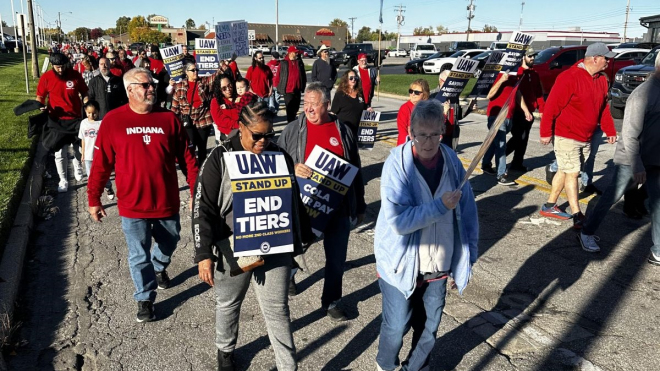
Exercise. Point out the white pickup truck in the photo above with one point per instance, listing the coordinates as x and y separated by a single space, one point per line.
422 51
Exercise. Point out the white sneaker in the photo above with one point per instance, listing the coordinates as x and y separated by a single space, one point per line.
589 242
78 173
110 193
63 187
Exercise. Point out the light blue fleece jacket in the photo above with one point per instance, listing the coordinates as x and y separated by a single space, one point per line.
403 215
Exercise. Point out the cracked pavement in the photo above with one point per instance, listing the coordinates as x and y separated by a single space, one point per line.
536 300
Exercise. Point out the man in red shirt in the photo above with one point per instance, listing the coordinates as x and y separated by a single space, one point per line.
143 143
317 127
115 67
292 82
368 77
532 94
274 65
260 76
576 105
65 89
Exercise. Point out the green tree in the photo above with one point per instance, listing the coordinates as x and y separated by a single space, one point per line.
190 23
122 24
364 34
423 31
136 23
441 29
4 24
488 28
81 33
338 23
149 36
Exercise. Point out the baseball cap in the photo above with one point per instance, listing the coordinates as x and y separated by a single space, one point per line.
292 49
361 55
530 51
599 49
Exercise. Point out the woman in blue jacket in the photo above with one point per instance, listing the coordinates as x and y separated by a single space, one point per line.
427 230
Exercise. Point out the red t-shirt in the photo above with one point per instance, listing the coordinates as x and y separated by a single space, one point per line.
293 82
403 121
366 83
63 94
497 102
193 96
261 79
156 65
326 136
274 65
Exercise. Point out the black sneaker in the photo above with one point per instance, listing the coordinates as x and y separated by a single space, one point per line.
336 314
293 289
226 361
145 311
503 180
654 259
591 189
488 170
163 280
578 220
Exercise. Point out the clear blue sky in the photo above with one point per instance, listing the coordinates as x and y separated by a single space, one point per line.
604 15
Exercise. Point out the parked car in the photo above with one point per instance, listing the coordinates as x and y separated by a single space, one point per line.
462 45
307 52
416 65
637 45
281 49
351 51
258 48
422 51
136 46
3 48
397 53
627 79
438 65
497 45
549 63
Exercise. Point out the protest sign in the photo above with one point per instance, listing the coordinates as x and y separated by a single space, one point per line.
173 60
367 129
488 74
323 192
515 51
206 56
231 37
263 198
462 71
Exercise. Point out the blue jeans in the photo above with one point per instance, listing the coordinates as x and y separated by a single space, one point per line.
653 188
422 311
143 260
621 182
335 244
497 149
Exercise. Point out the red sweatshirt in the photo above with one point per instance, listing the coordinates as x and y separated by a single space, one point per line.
261 79
403 121
143 150
499 99
576 105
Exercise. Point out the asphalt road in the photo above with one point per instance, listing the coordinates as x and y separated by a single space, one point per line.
536 300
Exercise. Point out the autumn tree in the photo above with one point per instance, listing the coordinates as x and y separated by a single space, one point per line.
122 24
423 31
136 23
488 28
149 36
190 23
81 33
96 33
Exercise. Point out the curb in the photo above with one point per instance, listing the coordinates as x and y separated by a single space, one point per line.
11 265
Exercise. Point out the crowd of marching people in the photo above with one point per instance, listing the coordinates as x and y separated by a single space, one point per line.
142 125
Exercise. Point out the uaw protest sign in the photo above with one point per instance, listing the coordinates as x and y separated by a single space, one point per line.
323 192
206 56
173 60
462 71
263 198
367 129
515 51
489 73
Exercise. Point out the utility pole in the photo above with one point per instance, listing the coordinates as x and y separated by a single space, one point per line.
59 31
522 7
33 41
399 22
13 17
470 15
352 29
277 22
625 25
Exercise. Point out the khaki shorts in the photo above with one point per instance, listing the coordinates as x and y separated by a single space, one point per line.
571 154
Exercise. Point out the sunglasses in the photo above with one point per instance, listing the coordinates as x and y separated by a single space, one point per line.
145 85
416 92
353 78
259 136
226 88
259 59
194 70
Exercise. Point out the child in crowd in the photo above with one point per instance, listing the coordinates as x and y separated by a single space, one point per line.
89 128
245 96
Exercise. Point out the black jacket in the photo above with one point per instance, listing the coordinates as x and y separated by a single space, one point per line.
213 215
284 75
109 95
325 73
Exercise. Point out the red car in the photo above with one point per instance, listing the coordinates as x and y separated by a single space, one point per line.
549 63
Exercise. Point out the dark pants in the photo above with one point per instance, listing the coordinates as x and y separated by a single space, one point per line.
199 138
292 104
335 244
519 136
622 181
451 140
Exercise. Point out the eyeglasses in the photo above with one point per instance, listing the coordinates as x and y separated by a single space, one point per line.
112 59
145 85
226 88
259 59
259 136
194 70
362 60
352 78
416 92
421 139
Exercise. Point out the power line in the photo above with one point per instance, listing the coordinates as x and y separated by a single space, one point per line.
352 29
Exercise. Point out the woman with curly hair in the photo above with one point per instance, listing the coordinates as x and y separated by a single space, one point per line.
348 102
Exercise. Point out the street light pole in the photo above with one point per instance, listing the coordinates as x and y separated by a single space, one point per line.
521 16
277 21
13 17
